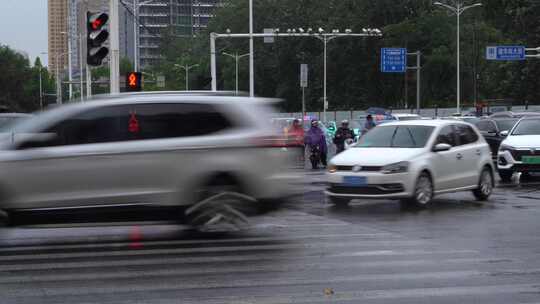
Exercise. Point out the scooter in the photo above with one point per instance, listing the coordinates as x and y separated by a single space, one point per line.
315 157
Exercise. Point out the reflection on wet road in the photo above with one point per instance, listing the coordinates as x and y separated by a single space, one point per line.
458 251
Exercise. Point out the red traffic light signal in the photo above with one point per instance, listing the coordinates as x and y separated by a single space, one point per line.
96 38
97 21
134 82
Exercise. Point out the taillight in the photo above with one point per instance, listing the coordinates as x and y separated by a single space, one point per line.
270 142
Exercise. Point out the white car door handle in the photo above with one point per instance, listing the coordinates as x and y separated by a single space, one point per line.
478 152
459 156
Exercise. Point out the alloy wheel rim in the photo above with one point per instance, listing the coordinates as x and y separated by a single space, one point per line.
424 190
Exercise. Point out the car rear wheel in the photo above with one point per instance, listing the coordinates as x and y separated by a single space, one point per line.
339 201
506 175
220 206
485 185
423 191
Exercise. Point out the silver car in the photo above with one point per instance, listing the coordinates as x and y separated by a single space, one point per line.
160 149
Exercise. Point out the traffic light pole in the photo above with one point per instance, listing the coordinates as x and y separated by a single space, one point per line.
115 47
88 82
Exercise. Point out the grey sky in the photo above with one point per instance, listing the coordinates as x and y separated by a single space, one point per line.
24 26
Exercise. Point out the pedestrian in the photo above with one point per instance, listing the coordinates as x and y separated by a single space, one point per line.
316 143
296 133
370 124
343 134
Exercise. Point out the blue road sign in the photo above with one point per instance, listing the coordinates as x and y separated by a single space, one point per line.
393 60
503 53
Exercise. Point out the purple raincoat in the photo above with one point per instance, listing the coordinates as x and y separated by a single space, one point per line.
315 137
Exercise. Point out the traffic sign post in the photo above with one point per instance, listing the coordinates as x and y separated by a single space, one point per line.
304 71
393 60
506 53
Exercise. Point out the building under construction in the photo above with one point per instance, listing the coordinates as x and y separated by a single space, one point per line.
185 17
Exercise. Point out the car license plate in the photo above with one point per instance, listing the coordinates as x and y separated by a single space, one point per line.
355 181
531 160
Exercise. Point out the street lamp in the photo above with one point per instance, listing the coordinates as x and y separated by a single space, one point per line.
58 80
458 9
321 35
69 37
186 68
326 38
237 59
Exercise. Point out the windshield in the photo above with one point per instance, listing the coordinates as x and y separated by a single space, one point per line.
396 137
527 127
7 122
506 125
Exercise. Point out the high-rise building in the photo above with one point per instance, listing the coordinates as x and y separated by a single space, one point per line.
185 17
58 24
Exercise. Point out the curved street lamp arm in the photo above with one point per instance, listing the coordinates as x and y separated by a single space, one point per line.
463 9
451 8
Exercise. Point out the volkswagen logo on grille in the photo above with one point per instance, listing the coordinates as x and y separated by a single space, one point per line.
357 168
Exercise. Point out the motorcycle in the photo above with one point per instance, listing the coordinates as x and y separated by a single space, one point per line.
315 156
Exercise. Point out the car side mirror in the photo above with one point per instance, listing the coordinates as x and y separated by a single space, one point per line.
442 148
504 133
36 140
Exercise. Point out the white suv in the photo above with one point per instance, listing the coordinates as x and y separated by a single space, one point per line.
413 161
159 149
520 151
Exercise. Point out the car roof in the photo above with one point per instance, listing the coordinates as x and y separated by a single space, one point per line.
429 123
161 93
164 97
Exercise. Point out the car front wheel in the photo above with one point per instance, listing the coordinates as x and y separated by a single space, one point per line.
423 191
485 185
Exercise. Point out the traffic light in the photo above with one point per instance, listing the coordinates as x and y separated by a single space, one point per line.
96 38
134 82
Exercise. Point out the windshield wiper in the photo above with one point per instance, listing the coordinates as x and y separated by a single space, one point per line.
412 137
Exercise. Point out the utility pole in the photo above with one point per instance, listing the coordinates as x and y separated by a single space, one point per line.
81 58
70 73
40 90
41 83
251 53
58 80
115 47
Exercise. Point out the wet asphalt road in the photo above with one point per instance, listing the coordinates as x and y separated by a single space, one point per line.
458 251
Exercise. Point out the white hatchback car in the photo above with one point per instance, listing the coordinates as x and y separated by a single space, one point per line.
150 149
413 161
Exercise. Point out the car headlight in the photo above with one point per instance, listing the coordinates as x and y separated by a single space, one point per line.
506 148
332 168
401 167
